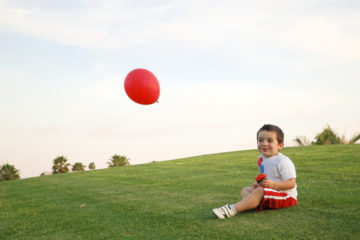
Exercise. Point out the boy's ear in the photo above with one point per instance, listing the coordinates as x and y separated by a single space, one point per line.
281 145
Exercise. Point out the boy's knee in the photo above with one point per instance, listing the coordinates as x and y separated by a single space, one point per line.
259 191
246 191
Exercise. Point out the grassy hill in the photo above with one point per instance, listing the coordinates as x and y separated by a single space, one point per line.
173 200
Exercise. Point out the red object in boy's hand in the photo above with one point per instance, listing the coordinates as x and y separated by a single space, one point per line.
260 177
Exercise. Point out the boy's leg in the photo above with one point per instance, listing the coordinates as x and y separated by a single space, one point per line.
246 191
251 201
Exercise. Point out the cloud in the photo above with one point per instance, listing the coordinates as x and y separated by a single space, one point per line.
62 30
326 36
234 28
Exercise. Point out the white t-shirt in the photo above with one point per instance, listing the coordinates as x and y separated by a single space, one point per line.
279 168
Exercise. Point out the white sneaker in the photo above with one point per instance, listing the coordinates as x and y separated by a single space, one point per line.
223 212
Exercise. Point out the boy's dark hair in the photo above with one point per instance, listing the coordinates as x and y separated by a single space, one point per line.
272 128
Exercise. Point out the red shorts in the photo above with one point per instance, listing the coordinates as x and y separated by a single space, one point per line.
275 199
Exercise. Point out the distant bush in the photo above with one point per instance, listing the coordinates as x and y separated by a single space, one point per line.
8 172
45 173
92 166
78 167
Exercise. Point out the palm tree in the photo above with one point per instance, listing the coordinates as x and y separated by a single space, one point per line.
118 160
9 172
92 166
354 139
78 167
327 136
60 165
302 141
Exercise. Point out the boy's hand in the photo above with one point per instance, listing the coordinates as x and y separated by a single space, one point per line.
267 183
260 177
256 185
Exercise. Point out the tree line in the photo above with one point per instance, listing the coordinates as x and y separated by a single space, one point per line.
61 165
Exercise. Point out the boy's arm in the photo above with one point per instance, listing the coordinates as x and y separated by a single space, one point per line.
279 185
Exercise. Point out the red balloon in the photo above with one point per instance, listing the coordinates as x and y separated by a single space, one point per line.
142 86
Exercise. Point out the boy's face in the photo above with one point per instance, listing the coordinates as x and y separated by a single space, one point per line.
268 144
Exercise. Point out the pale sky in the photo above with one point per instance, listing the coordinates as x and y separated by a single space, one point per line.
225 68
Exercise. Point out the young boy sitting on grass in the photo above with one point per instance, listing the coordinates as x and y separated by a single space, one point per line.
278 189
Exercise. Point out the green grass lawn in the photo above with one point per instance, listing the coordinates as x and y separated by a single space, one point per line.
173 200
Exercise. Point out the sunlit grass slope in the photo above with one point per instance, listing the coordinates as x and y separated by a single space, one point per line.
173 200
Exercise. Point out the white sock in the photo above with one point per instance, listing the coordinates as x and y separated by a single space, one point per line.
233 209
